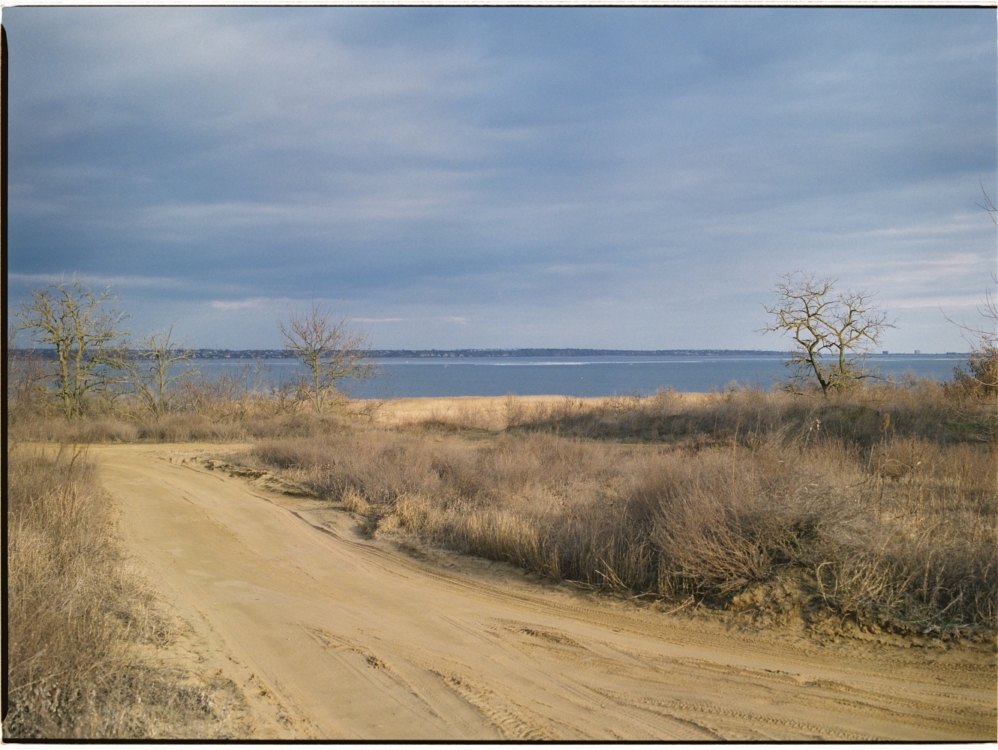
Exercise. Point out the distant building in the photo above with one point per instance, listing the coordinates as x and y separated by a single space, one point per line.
885 352
918 351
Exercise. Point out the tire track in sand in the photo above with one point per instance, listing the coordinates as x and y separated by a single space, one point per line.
363 642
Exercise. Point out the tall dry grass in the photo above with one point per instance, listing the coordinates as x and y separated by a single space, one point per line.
76 618
176 428
862 416
877 504
866 518
200 408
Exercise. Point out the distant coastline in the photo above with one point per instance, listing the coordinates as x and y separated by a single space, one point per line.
450 353
49 353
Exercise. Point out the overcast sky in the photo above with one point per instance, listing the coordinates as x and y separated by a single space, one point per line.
499 177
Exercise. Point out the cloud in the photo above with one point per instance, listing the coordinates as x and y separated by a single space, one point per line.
258 303
96 280
634 171
961 225
947 270
965 301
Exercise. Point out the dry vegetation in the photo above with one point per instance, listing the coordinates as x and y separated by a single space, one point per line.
877 506
83 632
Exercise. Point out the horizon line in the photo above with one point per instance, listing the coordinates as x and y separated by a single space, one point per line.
281 353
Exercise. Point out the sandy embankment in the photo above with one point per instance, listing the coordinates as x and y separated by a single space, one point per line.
333 635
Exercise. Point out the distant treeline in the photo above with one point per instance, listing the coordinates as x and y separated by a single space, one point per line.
48 353
568 352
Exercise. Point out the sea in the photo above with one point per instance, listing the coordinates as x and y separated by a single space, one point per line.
581 376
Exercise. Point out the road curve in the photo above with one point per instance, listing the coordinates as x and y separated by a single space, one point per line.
335 636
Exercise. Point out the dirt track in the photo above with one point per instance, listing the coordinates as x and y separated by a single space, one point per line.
332 635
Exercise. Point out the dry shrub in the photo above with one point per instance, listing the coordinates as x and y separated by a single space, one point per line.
562 544
354 502
384 465
378 466
978 378
178 427
901 533
27 393
74 615
189 428
861 416
523 499
464 417
722 524
58 429
130 428
880 503
936 581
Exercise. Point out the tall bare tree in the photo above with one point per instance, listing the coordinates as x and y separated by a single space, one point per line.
329 348
832 332
979 375
156 369
84 331
27 379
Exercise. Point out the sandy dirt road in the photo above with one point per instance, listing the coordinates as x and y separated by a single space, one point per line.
335 636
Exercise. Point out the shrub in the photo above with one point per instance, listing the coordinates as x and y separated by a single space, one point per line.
75 617
898 533
978 378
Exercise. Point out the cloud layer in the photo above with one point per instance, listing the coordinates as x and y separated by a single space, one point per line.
458 177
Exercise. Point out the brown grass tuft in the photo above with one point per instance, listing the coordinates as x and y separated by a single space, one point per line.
891 522
76 618
880 503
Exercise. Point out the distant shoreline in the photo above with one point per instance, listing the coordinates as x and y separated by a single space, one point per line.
47 353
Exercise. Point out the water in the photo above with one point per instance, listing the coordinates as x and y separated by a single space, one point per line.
576 376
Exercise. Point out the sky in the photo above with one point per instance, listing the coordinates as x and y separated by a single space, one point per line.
632 178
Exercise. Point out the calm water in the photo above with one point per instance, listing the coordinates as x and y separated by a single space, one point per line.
577 376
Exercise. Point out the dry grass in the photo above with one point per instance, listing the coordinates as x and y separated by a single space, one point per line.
890 522
225 408
878 504
77 620
176 428
861 416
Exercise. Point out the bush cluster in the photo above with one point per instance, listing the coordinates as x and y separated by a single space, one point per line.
76 618
867 518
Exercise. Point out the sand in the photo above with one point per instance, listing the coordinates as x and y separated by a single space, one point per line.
333 635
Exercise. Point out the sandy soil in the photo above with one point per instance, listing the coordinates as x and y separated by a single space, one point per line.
334 635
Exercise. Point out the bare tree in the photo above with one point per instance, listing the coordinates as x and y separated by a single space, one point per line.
989 205
153 373
328 348
27 379
979 375
832 332
86 336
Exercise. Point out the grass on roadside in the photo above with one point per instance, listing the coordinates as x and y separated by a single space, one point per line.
872 507
78 620
878 505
